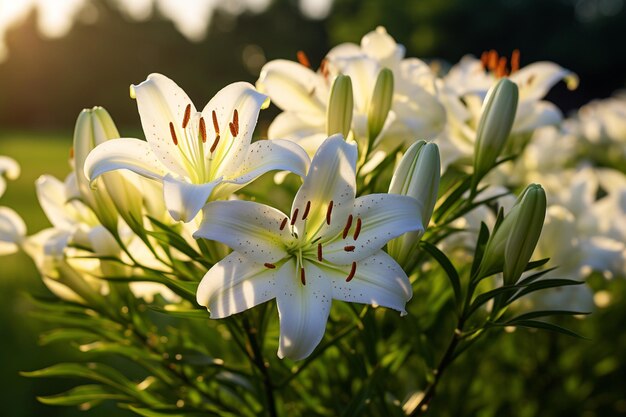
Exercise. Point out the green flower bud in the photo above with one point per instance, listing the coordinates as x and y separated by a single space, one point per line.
340 107
494 127
417 176
513 242
113 193
380 104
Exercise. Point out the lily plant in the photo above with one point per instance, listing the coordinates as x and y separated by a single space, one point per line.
328 248
196 155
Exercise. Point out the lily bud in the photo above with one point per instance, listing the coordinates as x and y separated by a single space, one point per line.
380 104
340 107
513 242
417 176
494 127
115 194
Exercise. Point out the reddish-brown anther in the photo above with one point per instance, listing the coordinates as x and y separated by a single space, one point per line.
352 272
202 128
329 211
216 126
303 59
187 116
215 142
346 229
306 210
357 230
173 133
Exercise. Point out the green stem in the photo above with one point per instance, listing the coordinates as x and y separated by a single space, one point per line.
262 366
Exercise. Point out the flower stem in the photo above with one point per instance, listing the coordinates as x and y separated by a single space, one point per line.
260 363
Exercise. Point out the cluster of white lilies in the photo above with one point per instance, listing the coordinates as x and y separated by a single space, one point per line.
353 229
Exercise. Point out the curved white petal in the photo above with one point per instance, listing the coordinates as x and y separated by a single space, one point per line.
268 155
10 169
293 126
250 228
378 281
380 45
236 284
536 79
12 231
533 115
184 200
345 50
363 72
53 200
131 154
231 150
292 87
161 101
303 310
331 178
383 217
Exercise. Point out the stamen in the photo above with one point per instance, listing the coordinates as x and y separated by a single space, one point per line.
347 228
303 59
501 70
173 133
324 68
352 272
492 62
71 152
236 121
319 252
283 224
294 217
515 61
216 126
187 116
215 142
233 130
306 210
302 276
269 265
357 230
484 59
348 248
202 130
329 212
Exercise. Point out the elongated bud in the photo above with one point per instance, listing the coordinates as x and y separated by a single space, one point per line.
494 127
340 107
512 243
115 194
380 104
417 176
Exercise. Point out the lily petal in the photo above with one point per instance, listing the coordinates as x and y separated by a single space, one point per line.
236 284
53 199
184 200
232 149
303 310
131 154
9 169
378 280
161 101
252 229
383 217
292 87
12 231
268 155
533 115
536 79
331 178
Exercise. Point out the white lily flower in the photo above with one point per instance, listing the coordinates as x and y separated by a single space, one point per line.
9 169
465 86
303 94
196 155
330 247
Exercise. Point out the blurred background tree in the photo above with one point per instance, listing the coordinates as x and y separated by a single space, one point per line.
108 44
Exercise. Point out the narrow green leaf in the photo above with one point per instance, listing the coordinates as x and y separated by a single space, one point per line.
544 284
84 394
451 272
535 324
176 311
542 313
